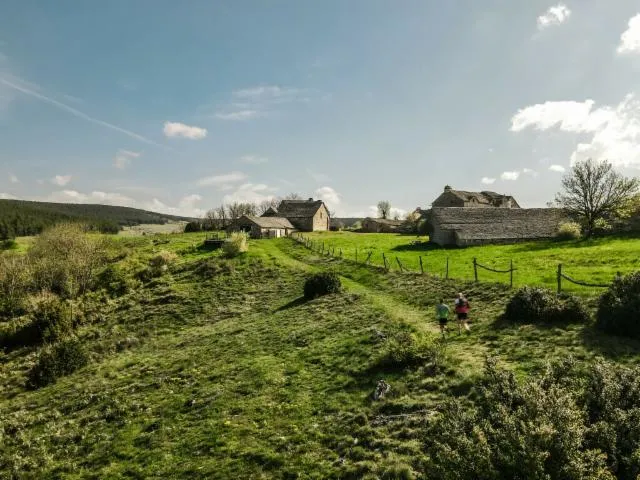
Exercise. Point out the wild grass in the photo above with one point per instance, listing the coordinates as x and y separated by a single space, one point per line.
594 261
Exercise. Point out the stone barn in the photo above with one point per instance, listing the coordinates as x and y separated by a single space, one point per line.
305 215
464 227
381 225
263 227
486 199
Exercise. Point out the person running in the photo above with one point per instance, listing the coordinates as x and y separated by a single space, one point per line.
442 312
462 312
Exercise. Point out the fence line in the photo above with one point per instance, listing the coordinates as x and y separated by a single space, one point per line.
319 247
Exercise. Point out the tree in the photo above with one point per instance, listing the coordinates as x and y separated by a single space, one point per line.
384 209
265 205
594 190
293 196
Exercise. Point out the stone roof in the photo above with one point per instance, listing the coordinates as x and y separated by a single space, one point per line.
267 222
299 208
499 223
270 212
485 197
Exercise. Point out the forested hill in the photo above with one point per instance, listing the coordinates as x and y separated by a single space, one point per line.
20 217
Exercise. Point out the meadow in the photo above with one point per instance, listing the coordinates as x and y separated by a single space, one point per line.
593 261
219 368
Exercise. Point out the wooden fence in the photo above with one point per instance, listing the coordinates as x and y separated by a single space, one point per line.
359 257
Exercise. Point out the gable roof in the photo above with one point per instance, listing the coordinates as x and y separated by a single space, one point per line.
267 222
299 208
270 212
485 197
499 223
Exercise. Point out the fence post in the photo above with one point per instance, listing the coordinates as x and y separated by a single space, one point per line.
447 270
421 266
399 264
384 259
475 269
356 254
511 274
559 278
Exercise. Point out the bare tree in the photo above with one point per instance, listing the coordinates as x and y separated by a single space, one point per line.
384 209
265 205
594 190
293 196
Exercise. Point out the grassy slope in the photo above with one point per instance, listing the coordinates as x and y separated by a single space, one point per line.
595 261
233 377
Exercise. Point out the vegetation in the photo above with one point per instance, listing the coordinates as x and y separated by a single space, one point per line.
569 231
594 190
218 369
320 284
531 305
22 218
595 260
384 209
236 244
619 307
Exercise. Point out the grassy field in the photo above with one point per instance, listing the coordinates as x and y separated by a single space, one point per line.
592 261
219 369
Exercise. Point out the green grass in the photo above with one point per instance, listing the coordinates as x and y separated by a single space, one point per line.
219 370
592 261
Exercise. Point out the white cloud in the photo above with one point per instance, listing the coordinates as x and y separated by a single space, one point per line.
319 177
488 181
22 86
329 196
556 15
13 178
7 196
176 129
630 38
123 158
239 115
528 171
250 192
510 175
615 130
61 180
221 180
253 159
106 198
557 168
569 116
190 200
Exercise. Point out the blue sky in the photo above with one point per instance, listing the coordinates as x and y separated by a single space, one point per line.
179 106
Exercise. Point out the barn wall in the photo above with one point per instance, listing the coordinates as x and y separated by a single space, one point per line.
442 237
321 220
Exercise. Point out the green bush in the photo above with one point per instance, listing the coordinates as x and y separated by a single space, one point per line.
14 284
407 350
321 284
236 244
564 424
619 307
51 319
57 361
9 244
569 231
531 305
113 280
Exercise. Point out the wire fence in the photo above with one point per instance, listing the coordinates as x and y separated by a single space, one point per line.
364 256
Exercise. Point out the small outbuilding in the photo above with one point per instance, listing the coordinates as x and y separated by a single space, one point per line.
380 225
263 227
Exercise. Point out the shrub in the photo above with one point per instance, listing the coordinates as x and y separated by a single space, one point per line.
540 305
406 350
162 259
321 284
14 284
569 231
57 361
51 319
9 244
619 307
113 280
236 244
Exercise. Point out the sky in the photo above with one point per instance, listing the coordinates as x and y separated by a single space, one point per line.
178 107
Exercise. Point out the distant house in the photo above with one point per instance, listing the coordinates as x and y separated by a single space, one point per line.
380 225
306 215
476 226
486 199
263 227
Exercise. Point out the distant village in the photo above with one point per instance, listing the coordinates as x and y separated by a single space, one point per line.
456 218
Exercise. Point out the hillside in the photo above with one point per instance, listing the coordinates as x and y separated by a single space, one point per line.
24 218
219 369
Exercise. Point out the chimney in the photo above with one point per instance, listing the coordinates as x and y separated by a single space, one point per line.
311 199
447 188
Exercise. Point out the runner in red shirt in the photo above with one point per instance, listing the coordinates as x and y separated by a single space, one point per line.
462 312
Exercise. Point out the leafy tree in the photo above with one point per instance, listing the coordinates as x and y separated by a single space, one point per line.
594 190
384 209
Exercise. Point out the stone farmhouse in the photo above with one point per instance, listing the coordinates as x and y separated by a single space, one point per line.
459 218
291 215
380 225
486 199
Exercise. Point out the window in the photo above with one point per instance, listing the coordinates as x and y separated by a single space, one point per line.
321 215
